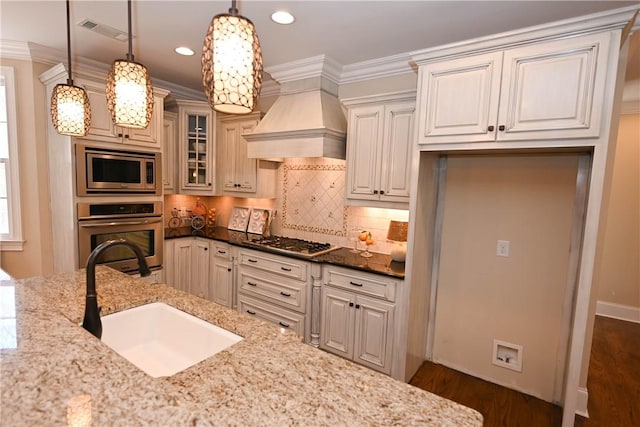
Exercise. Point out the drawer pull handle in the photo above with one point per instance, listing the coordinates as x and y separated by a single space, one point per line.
252 284
251 312
252 260
285 269
222 252
356 284
284 325
285 294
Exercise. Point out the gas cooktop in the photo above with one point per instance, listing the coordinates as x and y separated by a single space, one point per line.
290 245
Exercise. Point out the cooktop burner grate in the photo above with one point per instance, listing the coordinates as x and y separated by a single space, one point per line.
293 246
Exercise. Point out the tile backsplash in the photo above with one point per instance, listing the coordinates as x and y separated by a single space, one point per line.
310 205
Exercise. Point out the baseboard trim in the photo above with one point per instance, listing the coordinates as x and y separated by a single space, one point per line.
581 402
618 311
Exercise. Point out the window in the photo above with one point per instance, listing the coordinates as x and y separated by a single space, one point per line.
10 222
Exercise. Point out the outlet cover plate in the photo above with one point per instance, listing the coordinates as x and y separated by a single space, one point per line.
507 355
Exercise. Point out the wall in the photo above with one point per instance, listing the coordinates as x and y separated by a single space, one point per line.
527 200
32 108
617 278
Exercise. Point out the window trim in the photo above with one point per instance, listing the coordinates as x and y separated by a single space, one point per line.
14 240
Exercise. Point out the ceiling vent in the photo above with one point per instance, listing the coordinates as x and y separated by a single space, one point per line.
104 30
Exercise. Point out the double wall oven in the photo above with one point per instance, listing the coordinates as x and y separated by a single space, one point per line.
140 223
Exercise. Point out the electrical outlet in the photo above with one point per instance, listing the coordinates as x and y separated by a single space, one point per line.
502 248
507 355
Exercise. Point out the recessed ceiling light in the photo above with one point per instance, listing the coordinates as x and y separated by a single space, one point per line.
184 51
282 17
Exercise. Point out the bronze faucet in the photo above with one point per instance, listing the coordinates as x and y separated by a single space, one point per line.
92 322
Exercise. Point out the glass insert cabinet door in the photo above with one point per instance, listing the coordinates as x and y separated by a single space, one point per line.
197 146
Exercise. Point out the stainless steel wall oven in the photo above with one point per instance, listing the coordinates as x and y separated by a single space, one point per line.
139 223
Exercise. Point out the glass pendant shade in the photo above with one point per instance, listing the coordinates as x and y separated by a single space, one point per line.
70 110
129 94
232 64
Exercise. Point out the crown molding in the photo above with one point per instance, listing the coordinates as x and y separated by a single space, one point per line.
316 66
378 68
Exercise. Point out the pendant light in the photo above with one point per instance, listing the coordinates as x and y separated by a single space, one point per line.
232 63
129 90
70 109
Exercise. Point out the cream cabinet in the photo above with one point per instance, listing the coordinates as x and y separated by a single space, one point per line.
196 148
221 289
275 289
358 316
547 90
187 264
169 153
379 143
237 172
102 128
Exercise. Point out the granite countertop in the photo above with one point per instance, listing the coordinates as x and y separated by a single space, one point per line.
378 263
53 371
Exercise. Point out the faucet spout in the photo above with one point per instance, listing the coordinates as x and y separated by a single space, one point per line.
92 322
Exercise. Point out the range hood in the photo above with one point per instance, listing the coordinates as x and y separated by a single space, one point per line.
306 120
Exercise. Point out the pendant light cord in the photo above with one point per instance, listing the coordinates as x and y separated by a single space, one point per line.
233 10
69 80
130 55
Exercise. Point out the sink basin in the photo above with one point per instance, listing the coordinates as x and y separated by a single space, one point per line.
162 340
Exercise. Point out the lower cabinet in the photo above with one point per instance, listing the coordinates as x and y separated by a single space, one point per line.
201 267
276 289
357 317
221 274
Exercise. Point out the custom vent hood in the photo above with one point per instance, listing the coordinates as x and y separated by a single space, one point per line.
306 120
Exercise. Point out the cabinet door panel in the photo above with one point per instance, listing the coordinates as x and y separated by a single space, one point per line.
102 127
200 269
220 284
336 330
373 328
548 90
459 99
182 252
246 168
364 150
396 152
229 136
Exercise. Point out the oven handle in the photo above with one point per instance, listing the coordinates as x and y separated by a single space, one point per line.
113 224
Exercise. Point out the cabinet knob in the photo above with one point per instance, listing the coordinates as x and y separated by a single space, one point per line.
228 269
119 135
375 191
381 191
357 305
350 304
126 136
206 249
209 184
490 128
501 127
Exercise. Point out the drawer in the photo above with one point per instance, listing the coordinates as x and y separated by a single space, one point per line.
363 283
221 250
269 313
285 292
287 267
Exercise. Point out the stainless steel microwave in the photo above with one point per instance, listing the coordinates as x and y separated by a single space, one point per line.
107 171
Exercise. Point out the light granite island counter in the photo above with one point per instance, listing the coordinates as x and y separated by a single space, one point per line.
53 372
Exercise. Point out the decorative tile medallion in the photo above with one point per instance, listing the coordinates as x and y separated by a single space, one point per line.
313 198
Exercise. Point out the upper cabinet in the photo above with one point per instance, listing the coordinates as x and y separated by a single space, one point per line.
102 128
169 153
542 91
237 172
379 143
196 148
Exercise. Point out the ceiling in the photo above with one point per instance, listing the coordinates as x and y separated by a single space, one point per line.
347 31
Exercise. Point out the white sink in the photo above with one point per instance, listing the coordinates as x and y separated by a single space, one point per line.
162 340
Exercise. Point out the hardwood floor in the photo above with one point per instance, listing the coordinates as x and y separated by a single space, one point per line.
613 384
